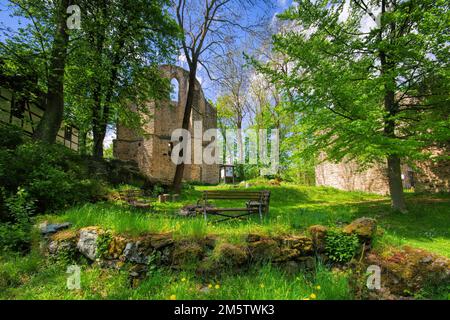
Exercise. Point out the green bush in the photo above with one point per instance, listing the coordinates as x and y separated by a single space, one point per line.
53 175
340 247
10 136
15 234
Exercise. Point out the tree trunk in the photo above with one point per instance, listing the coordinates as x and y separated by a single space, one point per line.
48 127
240 166
395 183
99 136
391 108
97 116
176 185
82 137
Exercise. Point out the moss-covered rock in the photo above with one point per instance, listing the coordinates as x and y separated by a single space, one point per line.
365 228
63 241
186 253
87 241
116 247
230 254
302 244
160 241
264 250
318 234
407 271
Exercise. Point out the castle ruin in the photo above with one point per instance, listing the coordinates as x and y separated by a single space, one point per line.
152 150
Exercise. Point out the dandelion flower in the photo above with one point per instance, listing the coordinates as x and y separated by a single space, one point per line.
173 297
217 286
210 285
313 296
305 298
262 285
183 279
318 287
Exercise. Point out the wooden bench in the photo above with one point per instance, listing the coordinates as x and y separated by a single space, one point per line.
257 202
136 198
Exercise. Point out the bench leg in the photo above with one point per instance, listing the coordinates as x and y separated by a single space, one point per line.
204 211
260 214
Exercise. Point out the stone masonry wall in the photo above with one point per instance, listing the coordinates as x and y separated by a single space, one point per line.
152 151
347 175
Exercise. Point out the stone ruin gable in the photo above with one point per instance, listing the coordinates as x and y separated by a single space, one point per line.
151 151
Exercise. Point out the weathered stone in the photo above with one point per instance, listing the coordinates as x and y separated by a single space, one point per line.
87 242
364 227
302 244
230 254
409 270
55 247
45 228
150 147
187 252
116 247
159 241
318 234
62 241
288 254
138 251
267 249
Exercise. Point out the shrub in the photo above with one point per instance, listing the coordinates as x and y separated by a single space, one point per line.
10 137
340 247
52 175
15 234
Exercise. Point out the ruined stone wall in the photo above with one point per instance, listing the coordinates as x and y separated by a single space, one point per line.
347 175
434 176
431 176
152 151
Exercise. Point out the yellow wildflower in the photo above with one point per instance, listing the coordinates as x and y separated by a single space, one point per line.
262 285
313 296
173 297
210 285
318 288
217 286
183 279
305 298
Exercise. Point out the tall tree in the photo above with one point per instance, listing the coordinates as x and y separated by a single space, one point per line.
207 25
365 92
121 45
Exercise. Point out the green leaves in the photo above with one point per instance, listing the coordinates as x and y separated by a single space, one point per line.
340 247
340 81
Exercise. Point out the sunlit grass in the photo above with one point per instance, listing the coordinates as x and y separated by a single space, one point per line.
292 209
265 282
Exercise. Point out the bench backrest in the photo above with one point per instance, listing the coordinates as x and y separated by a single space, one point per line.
262 196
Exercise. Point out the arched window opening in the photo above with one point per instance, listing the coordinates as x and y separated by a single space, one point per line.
175 90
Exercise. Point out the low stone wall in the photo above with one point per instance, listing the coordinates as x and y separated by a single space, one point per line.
403 272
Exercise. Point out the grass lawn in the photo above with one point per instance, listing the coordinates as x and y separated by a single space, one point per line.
292 209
